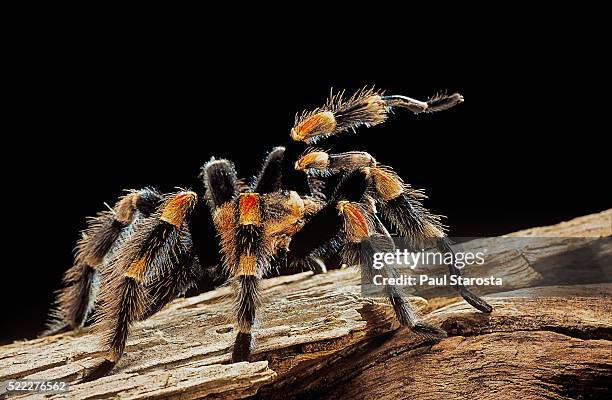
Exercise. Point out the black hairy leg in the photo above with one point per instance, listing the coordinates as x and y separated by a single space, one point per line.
439 102
318 162
261 226
75 302
399 203
365 235
348 224
221 185
402 207
366 107
363 254
278 173
221 182
249 260
270 177
320 234
151 267
324 232
444 245
238 220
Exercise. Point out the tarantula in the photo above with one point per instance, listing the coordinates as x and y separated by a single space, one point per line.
148 249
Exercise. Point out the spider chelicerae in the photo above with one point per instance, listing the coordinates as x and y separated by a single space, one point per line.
152 247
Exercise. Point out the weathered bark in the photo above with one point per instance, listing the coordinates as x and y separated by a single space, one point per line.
533 348
318 337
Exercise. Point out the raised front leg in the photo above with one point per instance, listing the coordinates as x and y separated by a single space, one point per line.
366 107
399 203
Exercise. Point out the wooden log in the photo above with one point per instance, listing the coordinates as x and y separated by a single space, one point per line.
554 344
318 337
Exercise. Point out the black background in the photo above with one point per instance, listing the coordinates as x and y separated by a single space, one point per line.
90 119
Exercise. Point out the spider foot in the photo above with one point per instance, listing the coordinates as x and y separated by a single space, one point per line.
475 301
98 371
242 347
430 333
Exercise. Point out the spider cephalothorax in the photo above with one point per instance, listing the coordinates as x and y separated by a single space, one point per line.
151 248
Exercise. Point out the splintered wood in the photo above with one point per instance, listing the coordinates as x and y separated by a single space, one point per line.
318 337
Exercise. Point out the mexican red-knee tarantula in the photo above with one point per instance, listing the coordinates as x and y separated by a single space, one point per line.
149 248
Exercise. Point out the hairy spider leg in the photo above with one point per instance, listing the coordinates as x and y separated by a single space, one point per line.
366 107
104 232
399 203
154 264
347 223
381 241
270 177
239 221
251 258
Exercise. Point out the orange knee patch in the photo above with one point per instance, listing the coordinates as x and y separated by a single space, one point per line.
314 159
248 209
320 123
387 184
136 269
177 207
355 222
